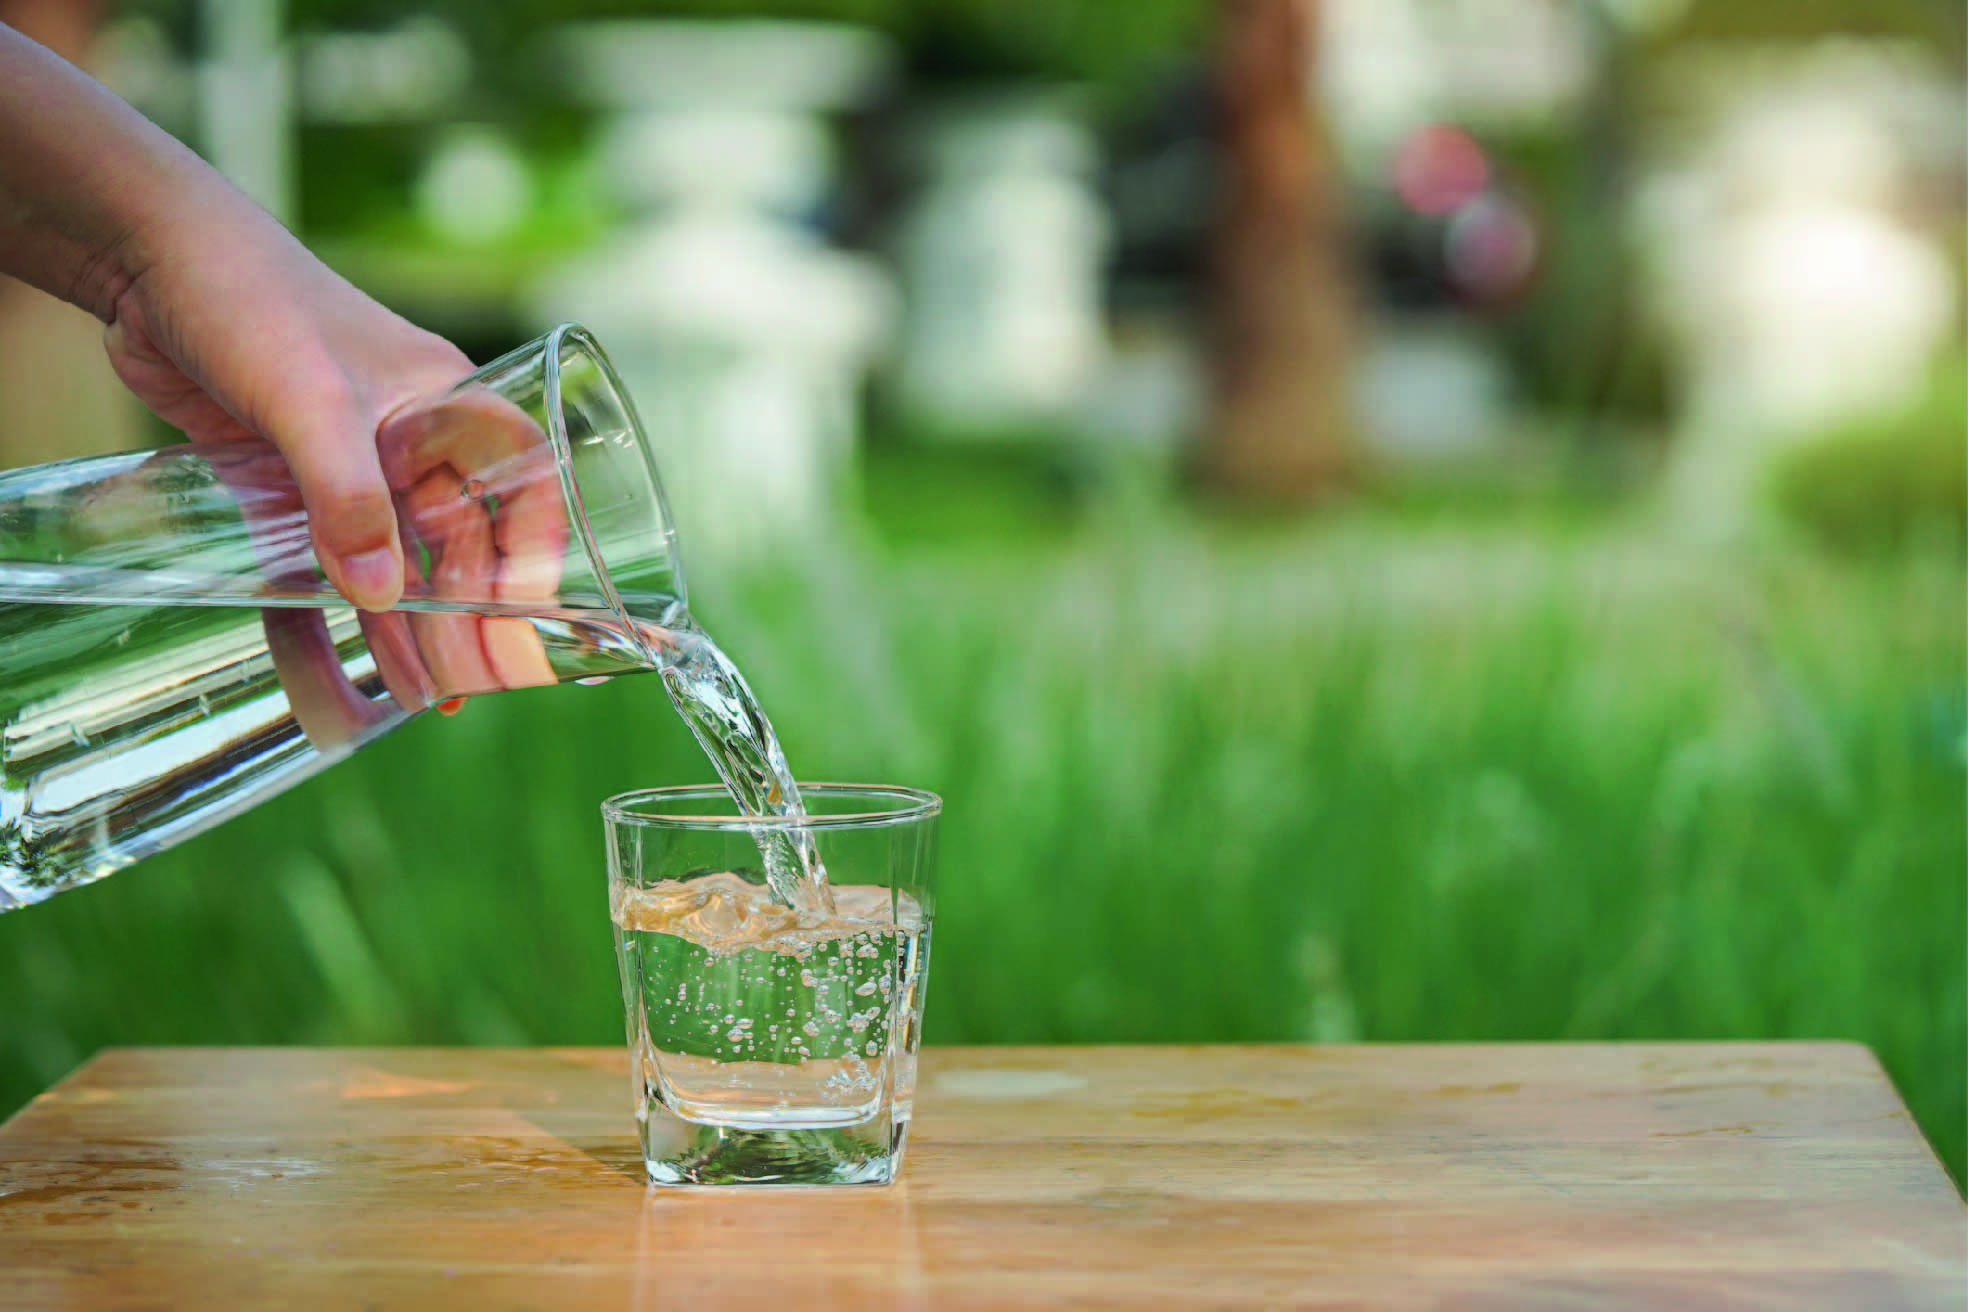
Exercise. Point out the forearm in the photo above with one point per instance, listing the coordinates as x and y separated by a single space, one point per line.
88 186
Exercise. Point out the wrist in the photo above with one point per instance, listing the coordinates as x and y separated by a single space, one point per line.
92 194
163 209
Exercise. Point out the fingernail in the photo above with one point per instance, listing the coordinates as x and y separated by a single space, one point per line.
451 706
370 579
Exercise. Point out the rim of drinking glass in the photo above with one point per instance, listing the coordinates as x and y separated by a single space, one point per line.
588 345
921 805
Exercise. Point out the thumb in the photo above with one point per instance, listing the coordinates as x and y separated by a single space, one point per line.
350 514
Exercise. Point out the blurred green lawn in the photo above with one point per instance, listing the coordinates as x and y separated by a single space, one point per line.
1377 777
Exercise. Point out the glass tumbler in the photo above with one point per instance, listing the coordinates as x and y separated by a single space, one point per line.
769 1045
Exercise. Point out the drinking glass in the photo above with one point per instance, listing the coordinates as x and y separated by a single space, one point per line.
171 652
770 1045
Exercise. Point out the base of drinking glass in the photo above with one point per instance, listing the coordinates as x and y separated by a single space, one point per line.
680 1152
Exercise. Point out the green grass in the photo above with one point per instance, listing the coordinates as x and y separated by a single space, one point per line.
1363 782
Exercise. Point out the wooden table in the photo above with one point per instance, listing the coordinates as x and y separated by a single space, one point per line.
1507 1177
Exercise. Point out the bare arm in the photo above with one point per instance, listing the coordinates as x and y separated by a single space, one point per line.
218 319
75 172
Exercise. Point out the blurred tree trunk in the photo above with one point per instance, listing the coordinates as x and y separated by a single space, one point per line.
58 395
1279 304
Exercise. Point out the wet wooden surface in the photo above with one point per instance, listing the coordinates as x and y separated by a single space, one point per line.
1508 1177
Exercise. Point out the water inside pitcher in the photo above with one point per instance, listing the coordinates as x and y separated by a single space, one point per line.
171 653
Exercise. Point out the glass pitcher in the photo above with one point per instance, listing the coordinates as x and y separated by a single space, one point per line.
171 652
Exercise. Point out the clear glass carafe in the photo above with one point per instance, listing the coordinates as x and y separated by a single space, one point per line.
171 652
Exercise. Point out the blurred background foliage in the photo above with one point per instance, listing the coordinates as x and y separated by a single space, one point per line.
1531 607
1887 482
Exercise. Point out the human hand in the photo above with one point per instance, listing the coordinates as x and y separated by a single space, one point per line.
217 317
342 391
233 330
483 513
228 328
483 528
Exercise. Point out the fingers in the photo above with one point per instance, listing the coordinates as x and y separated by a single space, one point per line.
467 653
330 710
516 655
502 458
393 644
393 641
483 475
475 431
530 530
350 515
463 563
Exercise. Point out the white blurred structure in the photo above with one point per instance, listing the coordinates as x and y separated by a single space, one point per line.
245 101
1432 389
1389 66
743 337
1001 257
476 187
1150 398
239 96
1799 294
404 74
787 66
1433 385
